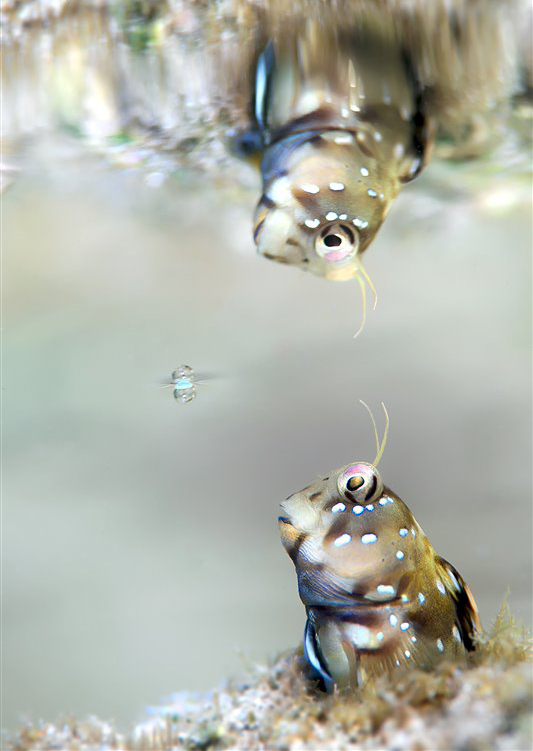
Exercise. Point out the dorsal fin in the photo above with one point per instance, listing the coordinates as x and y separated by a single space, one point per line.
467 617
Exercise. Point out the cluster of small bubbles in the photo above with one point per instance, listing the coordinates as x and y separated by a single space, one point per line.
183 382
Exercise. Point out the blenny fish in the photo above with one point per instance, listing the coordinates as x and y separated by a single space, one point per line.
341 125
376 593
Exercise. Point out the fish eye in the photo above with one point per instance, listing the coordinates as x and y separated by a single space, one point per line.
336 242
360 483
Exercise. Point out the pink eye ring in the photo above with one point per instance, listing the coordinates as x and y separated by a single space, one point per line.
360 483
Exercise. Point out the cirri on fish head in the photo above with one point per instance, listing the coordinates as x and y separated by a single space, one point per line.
377 594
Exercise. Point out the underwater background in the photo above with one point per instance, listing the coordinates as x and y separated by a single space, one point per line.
140 546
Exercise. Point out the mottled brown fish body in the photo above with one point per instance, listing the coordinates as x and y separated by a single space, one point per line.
377 595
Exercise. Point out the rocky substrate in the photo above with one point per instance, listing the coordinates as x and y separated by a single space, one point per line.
486 703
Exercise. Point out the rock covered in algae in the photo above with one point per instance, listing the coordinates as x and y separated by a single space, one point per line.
486 703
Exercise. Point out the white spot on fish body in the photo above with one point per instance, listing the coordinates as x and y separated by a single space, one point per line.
377 136
399 150
342 540
393 620
370 507
345 138
456 634
405 598
440 645
386 589
336 186
364 171
343 216
403 532
407 653
372 193
361 223
369 538
281 191
360 635
413 532
310 188
441 587
383 501
331 215
379 636
312 223
398 663
400 554
404 626
421 598
358 509
338 507
413 639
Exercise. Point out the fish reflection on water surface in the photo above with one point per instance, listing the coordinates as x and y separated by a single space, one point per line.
342 125
376 593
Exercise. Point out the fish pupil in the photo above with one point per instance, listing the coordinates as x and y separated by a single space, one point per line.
332 241
355 482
